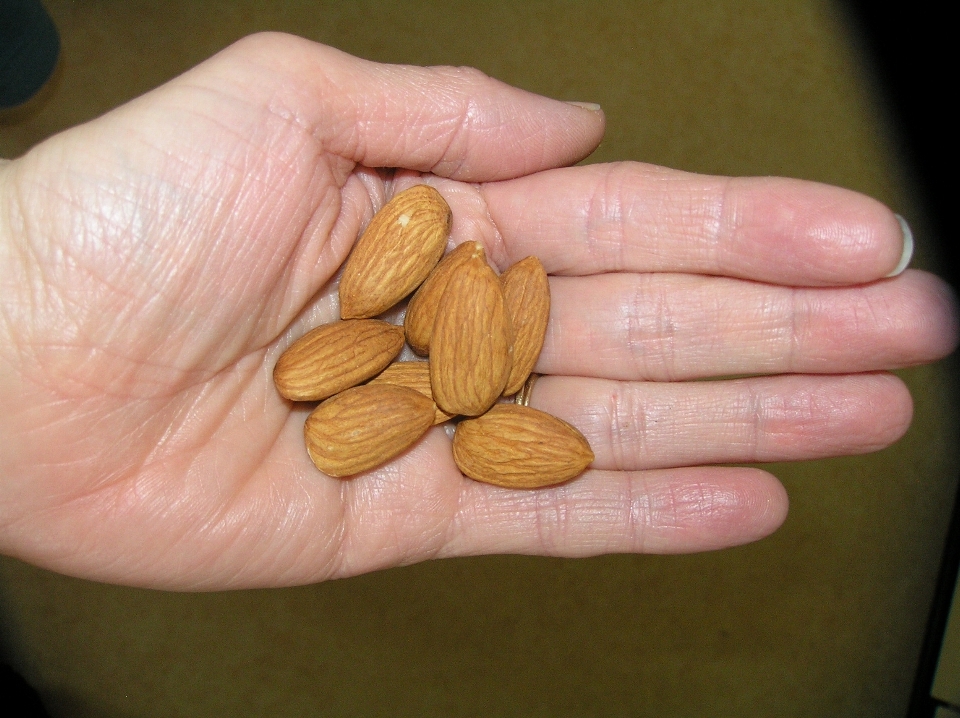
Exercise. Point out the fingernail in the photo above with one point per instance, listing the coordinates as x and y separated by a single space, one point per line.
907 247
592 106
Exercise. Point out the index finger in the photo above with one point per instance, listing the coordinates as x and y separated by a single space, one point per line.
640 218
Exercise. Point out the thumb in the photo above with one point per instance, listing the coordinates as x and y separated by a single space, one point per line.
453 122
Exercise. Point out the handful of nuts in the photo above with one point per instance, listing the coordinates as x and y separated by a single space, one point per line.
482 334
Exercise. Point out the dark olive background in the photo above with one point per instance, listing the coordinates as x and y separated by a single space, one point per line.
825 618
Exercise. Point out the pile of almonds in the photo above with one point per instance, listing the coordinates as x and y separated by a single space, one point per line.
482 334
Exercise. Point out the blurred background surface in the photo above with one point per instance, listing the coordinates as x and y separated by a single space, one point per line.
825 618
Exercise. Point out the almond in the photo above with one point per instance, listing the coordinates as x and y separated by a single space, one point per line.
413 375
336 356
520 448
526 293
402 243
471 345
366 426
422 309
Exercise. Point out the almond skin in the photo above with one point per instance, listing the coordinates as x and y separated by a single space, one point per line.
336 356
364 427
520 448
422 309
472 342
526 293
401 245
413 375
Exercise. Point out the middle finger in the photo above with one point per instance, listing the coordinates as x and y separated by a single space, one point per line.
668 327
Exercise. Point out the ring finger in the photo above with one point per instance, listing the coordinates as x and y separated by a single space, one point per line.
647 425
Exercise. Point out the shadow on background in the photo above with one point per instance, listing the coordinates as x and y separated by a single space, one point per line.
913 47
547 634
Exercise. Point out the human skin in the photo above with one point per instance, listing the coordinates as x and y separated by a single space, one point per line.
155 262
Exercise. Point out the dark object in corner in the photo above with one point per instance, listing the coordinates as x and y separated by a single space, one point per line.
17 698
29 49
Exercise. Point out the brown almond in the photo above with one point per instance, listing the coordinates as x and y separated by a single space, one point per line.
520 448
526 293
336 356
422 309
471 345
366 426
413 375
401 245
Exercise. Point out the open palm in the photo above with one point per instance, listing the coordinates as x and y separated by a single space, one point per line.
156 261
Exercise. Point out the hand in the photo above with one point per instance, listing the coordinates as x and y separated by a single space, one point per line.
156 261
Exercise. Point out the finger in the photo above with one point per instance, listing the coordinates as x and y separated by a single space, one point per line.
666 511
640 218
420 507
669 327
454 122
645 425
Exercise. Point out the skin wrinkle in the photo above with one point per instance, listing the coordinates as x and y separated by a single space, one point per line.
739 212
622 411
583 515
637 500
495 245
874 318
211 525
120 474
855 239
401 537
611 222
84 302
314 554
57 258
696 504
457 119
721 232
25 308
456 142
455 522
197 97
300 266
238 259
232 522
756 414
605 211
101 463
362 512
550 519
132 381
293 514
769 322
688 209
288 114
447 507
467 502
473 120
283 190
137 310
649 329
612 507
